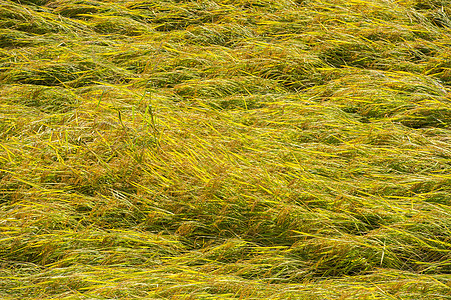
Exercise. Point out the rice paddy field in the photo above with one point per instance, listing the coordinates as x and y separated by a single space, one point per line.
225 149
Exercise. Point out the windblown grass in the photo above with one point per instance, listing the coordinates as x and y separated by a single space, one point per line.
225 149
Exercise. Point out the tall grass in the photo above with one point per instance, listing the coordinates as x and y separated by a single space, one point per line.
225 149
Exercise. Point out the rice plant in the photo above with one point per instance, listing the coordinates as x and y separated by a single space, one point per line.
225 149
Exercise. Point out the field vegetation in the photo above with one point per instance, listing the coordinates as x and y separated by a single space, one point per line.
225 149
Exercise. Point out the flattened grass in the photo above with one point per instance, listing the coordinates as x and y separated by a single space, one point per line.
225 150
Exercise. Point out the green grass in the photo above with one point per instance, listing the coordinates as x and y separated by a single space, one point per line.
225 149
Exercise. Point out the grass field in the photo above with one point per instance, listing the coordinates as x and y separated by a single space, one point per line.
225 149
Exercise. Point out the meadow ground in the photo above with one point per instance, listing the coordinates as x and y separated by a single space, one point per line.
229 149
